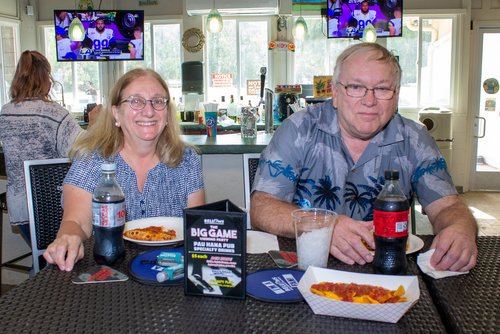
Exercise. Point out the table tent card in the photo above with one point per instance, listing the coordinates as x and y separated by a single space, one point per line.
215 246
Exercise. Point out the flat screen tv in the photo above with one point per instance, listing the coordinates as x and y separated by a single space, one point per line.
348 18
109 35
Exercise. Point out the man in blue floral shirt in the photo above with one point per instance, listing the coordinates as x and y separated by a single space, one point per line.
333 155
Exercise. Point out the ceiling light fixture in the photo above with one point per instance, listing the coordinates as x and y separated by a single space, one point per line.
214 20
76 31
369 34
300 26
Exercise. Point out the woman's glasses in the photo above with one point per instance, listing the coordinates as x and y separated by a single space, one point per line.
138 102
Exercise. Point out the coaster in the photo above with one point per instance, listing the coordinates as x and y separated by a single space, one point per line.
143 267
275 285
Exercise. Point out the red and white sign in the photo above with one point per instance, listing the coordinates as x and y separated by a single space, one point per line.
222 80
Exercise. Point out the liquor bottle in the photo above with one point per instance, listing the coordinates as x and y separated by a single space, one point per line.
241 105
180 110
232 109
390 220
222 107
108 210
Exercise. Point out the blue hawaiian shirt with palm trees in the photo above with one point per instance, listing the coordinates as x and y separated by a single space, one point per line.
306 163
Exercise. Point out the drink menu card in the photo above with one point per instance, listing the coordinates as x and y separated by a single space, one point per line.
215 246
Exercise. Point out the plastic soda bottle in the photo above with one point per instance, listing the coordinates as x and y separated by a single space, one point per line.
108 210
390 220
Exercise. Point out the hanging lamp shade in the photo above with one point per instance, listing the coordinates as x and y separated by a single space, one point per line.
76 30
369 34
300 28
214 21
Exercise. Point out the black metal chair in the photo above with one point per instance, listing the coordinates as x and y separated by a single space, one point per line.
44 180
250 164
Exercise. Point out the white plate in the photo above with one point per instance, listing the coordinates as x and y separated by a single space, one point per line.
415 244
169 223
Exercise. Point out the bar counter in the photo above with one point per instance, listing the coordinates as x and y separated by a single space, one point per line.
228 143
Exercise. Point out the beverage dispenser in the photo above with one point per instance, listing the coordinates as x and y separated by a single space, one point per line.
287 101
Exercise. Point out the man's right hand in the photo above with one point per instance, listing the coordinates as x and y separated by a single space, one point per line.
347 242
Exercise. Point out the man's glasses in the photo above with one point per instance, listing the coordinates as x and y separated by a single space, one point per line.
358 91
138 102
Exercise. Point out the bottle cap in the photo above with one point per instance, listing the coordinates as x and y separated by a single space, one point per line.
161 276
391 175
108 166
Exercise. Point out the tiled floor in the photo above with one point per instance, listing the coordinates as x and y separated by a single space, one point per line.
484 205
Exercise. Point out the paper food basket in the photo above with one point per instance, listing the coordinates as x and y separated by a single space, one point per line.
390 312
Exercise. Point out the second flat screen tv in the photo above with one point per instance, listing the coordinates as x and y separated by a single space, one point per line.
109 35
348 18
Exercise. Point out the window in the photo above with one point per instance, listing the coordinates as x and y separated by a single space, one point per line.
163 54
8 58
426 77
76 83
427 70
80 81
316 54
236 55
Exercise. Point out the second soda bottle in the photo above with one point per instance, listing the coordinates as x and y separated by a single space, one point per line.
390 220
108 210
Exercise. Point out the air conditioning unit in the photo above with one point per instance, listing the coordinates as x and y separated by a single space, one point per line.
233 7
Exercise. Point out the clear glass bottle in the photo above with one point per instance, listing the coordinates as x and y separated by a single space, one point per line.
108 210
232 109
222 107
180 110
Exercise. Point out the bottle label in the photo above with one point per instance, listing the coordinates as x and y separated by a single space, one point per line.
108 214
390 224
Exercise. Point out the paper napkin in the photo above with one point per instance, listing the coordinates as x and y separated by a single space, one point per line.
261 242
424 262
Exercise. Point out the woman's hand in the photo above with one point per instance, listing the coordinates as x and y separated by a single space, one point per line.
65 251
76 227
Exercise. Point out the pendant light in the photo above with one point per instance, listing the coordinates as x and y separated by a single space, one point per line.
214 20
76 31
300 26
369 34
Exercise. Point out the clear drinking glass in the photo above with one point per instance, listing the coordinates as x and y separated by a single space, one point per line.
313 233
249 123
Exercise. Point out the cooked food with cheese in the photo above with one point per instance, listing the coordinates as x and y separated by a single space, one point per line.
150 233
359 293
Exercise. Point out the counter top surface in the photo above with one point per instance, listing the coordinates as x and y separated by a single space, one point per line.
223 144
228 144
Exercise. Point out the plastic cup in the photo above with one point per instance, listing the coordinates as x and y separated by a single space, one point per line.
313 233
211 122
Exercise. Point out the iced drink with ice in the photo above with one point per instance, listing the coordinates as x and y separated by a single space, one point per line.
313 232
